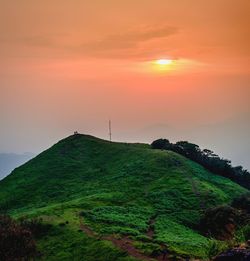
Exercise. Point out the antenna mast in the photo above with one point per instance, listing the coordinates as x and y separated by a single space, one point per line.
110 133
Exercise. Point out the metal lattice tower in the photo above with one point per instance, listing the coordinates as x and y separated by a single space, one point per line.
110 133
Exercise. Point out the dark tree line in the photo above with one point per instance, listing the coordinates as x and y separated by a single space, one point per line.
207 159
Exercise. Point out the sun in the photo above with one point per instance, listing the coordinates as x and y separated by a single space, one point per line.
168 66
164 61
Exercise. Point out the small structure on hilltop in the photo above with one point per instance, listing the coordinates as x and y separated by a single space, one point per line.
75 132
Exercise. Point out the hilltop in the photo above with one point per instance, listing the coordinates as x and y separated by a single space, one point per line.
115 201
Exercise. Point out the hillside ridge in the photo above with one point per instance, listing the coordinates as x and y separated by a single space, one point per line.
118 188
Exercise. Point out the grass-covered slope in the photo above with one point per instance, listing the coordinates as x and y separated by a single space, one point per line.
154 197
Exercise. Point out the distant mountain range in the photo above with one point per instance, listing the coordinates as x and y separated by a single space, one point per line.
10 161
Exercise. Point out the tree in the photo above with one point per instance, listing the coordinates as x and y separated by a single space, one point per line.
162 144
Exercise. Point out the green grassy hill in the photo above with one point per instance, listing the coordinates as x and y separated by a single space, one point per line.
100 196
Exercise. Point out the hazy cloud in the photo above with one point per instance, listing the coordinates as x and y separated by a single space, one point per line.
127 40
36 40
122 45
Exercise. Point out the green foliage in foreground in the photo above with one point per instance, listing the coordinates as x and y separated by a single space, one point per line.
179 238
65 241
129 220
119 189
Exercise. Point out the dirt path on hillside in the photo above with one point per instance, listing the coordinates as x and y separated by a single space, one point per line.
89 232
126 244
150 233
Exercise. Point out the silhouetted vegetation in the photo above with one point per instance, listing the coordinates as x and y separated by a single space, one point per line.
35 226
246 232
161 144
207 159
242 203
221 222
16 241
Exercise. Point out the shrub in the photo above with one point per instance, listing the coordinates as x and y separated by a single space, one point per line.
162 144
214 248
220 222
246 232
242 202
16 242
36 226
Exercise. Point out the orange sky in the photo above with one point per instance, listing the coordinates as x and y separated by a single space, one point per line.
67 65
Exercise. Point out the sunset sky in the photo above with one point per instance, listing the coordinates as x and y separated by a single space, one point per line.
73 65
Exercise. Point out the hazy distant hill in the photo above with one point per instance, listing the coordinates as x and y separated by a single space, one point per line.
115 201
9 161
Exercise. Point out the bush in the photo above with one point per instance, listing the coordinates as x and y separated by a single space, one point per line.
214 248
16 242
246 232
220 222
36 226
242 202
161 144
